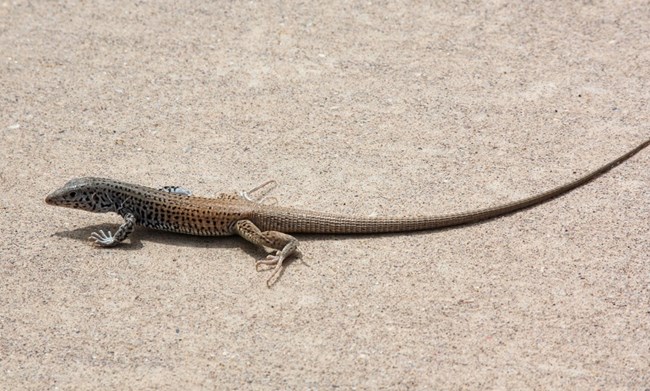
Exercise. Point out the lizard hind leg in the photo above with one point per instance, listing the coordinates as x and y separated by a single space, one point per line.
283 244
264 189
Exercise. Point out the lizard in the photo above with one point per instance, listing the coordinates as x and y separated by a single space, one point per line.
174 209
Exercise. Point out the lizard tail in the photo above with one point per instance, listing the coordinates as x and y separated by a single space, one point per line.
302 221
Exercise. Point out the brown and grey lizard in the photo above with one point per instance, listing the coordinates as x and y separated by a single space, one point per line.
174 209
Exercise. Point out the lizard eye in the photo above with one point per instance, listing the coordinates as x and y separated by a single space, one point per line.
73 194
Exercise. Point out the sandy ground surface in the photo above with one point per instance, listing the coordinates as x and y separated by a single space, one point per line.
364 107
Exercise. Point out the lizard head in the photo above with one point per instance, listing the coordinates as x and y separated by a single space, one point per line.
82 193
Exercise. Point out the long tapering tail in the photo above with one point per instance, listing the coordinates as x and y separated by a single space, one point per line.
302 221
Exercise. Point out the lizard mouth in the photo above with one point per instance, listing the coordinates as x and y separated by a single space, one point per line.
50 199
54 198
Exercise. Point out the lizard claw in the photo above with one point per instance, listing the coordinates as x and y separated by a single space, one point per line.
103 239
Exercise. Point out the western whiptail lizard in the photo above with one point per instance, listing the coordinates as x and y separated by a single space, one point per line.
173 209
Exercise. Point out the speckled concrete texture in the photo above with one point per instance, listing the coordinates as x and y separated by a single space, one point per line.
377 108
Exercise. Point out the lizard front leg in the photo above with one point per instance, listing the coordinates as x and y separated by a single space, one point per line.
284 244
103 239
176 190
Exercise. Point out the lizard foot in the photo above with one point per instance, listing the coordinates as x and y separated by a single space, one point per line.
103 239
265 188
271 260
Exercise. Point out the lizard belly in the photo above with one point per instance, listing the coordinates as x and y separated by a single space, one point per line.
192 221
